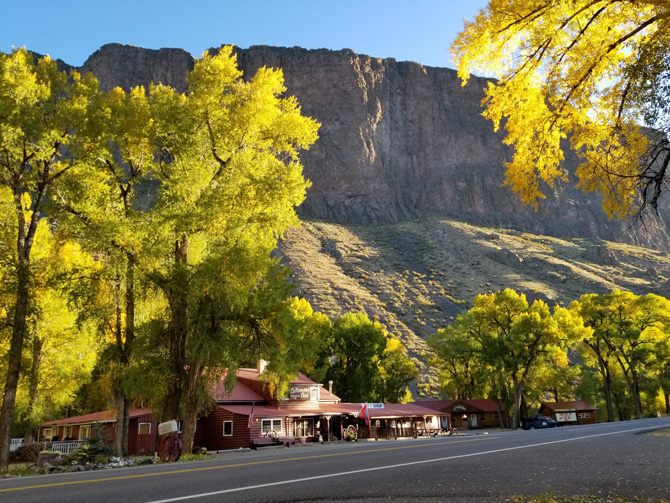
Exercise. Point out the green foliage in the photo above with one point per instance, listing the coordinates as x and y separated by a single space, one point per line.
364 362
508 338
630 343
96 448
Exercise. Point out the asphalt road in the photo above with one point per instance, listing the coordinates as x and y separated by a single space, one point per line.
615 458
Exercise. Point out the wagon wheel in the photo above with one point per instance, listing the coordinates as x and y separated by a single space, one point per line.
169 448
351 431
272 434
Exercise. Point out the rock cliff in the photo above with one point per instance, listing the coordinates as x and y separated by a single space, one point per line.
397 140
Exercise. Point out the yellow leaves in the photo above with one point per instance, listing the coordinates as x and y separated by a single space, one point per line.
562 71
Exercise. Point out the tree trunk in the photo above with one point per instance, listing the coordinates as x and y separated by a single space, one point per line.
630 376
119 401
125 349
31 427
635 391
518 387
14 363
178 300
607 389
501 421
667 402
188 429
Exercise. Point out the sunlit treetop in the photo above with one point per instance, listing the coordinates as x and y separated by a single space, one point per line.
591 71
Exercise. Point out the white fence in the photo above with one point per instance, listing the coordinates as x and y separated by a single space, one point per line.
66 447
15 443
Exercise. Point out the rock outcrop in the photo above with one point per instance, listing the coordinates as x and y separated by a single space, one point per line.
397 139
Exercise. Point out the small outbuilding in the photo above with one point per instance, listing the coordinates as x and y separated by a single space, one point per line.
577 412
469 414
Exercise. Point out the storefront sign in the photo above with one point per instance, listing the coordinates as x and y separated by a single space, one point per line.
302 393
375 406
566 417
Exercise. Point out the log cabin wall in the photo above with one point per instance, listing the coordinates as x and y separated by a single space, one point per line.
209 433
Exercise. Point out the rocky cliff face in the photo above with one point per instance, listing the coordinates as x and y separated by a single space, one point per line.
397 140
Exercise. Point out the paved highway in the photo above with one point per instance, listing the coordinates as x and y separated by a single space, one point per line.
615 458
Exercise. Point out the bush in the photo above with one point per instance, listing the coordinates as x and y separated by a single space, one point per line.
26 453
95 449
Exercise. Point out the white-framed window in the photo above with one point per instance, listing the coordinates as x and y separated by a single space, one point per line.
144 429
227 428
84 431
67 432
303 427
270 424
47 433
584 415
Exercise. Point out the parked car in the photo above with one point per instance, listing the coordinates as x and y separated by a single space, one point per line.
533 422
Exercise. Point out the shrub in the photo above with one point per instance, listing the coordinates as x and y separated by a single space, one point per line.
26 453
95 449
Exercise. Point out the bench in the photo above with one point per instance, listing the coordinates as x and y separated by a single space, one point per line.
287 441
270 440
428 432
262 442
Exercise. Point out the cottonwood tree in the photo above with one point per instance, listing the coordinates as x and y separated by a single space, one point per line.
458 355
630 331
593 71
100 206
229 170
594 311
352 356
59 350
514 339
41 110
396 372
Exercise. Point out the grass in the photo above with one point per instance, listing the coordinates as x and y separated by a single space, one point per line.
551 498
17 470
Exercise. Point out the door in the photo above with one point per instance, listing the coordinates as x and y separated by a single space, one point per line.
473 420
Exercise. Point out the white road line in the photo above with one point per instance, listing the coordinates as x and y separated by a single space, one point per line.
400 465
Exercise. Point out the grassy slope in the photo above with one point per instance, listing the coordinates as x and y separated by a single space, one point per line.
416 276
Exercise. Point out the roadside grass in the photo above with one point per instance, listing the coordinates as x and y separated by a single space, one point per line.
552 498
17 470
661 433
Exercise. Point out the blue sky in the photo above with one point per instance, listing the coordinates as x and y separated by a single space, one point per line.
411 30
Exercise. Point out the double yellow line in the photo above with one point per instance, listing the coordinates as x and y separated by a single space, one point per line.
237 465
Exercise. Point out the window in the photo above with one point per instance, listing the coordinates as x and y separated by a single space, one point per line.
584 415
270 424
227 428
304 427
144 429
67 432
47 433
84 431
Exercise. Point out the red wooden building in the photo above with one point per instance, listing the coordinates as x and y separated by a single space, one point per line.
250 416
470 414
577 412
66 434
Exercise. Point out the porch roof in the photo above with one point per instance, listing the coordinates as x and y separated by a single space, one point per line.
274 411
104 416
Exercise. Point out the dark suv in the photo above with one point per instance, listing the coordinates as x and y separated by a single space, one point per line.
532 422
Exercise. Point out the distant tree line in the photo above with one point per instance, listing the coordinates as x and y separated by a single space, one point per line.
612 350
